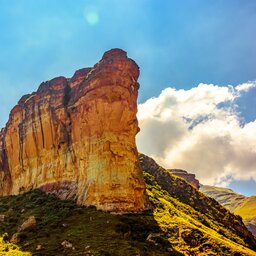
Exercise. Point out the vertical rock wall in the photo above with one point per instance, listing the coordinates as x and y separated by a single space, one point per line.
76 138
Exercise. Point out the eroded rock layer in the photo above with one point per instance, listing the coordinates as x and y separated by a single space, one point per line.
189 177
76 138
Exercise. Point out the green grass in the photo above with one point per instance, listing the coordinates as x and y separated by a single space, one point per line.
87 229
8 249
247 209
174 228
239 204
189 231
182 221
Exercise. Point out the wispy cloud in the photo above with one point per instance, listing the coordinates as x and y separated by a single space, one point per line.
246 86
199 130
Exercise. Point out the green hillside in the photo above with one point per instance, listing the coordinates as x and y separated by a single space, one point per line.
224 196
239 204
181 221
247 210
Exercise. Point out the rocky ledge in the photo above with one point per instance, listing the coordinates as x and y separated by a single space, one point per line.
189 177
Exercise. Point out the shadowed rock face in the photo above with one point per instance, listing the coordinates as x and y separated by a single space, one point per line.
76 138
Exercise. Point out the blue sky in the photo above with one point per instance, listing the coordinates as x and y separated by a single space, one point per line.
177 44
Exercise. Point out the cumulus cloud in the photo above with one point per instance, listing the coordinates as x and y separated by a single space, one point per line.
199 130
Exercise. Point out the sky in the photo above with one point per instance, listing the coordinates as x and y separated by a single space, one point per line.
197 58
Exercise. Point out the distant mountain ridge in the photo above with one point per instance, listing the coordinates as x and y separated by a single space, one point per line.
225 196
236 203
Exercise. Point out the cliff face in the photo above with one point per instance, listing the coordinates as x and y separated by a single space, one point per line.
76 138
189 177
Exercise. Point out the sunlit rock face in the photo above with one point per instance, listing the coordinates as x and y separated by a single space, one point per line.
76 138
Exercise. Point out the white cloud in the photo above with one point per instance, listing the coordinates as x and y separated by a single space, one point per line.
199 130
246 86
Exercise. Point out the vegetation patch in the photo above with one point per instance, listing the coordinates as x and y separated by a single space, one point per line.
63 228
8 249
181 221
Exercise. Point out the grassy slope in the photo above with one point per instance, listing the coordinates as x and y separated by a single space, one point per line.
185 230
8 249
239 204
214 219
224 196
247 210
87 229
173 226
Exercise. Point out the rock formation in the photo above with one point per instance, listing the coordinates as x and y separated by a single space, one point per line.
76 138
189 177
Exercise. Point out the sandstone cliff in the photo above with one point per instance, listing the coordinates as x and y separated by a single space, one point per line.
189 177
76 138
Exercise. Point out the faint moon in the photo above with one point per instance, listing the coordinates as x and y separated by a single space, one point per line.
92 18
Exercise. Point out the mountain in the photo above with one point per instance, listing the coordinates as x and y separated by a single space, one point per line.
76 138
247 210
238 204
224 196
73 183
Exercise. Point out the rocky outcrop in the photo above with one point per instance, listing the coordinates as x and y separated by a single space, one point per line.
189 177
76 138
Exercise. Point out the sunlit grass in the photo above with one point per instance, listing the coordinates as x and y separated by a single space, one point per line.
176 218
171 227
247 210
8 249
